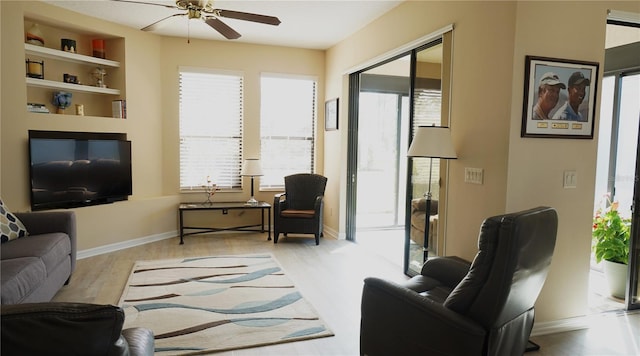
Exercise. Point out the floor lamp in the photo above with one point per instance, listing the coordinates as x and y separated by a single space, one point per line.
251 168
432 142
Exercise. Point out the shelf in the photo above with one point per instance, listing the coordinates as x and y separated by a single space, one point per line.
43 83
67 56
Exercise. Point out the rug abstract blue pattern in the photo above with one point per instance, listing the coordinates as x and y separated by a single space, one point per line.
216 303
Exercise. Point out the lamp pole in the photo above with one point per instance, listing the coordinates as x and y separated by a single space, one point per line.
427 217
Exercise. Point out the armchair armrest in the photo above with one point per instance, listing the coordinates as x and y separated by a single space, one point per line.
317 205
279 203
52 221
427 327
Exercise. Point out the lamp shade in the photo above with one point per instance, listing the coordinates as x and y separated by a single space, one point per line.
432 141
251 167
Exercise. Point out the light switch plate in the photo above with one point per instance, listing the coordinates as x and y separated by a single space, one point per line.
473 175
570 179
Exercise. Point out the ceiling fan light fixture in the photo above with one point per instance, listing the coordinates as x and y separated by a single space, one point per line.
204 5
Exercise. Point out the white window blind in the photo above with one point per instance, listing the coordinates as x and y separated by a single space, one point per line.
287 127
210 128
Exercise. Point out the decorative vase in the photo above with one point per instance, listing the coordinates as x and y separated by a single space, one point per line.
34 35
616 276
61 100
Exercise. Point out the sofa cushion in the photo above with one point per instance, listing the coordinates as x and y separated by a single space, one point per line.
20 277
51 248
11 227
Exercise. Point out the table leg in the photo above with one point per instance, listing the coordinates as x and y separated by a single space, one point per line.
269 223
181 230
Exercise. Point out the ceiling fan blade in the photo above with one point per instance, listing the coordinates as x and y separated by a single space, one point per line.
269 20
222 27
156 25
147 3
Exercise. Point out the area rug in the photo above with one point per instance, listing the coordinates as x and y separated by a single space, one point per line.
217 303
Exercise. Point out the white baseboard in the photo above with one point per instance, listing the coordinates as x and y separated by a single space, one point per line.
329 232
125 244
562 325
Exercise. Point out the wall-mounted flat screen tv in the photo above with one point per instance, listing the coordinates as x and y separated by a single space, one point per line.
75 169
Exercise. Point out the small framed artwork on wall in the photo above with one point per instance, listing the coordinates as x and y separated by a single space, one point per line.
559 98
331 115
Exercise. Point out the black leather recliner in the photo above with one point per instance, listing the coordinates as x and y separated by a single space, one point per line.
457 308
71 329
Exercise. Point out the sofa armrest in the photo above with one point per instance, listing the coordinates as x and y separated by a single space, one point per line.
425 326
38 223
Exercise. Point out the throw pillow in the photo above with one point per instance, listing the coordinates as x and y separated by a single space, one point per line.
11 227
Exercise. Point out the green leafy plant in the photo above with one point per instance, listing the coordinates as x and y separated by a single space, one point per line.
611 234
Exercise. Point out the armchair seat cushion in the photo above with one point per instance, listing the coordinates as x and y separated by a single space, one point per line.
294 213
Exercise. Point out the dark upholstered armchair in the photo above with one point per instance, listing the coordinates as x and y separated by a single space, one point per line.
457 308
71 329
299 208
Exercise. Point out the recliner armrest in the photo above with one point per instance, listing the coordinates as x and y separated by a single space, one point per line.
448 270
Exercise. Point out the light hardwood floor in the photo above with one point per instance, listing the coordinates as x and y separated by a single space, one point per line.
330 277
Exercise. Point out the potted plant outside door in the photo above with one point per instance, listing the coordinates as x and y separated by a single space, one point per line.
611 234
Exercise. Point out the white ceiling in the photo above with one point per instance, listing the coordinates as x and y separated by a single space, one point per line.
315 24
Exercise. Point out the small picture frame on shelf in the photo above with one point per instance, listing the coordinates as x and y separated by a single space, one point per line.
68 45
68 78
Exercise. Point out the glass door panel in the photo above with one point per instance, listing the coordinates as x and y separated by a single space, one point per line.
427 110
628 178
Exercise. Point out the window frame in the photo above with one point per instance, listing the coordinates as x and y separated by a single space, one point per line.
312 137
234 182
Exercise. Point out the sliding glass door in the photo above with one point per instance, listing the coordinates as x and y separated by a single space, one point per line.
385 189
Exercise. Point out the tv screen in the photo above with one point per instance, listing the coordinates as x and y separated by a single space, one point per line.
74 169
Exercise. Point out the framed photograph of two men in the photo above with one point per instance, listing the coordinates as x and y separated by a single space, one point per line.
559 98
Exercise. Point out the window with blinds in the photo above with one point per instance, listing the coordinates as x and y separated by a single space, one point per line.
287 127
211 104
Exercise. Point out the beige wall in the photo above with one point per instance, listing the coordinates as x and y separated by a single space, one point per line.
151 64
490 41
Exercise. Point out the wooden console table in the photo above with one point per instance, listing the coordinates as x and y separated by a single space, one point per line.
225 207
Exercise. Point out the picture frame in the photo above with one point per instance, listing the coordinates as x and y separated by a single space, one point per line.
559 98
331 115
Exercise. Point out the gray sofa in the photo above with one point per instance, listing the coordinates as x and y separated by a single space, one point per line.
36 266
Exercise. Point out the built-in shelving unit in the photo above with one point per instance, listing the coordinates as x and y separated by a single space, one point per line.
95 99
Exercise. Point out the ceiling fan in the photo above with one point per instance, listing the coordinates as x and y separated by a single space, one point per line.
204 10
